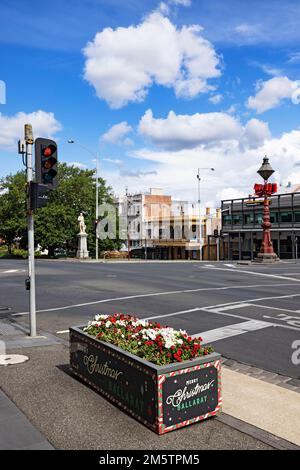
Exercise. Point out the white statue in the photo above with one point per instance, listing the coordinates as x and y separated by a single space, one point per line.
82 225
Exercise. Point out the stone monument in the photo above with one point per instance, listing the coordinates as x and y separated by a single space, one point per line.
82 239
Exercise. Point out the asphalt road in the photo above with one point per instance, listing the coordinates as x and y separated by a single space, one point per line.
249 313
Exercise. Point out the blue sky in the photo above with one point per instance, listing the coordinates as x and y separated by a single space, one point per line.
231 83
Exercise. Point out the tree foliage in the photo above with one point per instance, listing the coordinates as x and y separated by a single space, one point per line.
56 224
12 208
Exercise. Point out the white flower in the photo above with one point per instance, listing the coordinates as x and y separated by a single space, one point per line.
101 317
107 324
143 323
149 333
91 323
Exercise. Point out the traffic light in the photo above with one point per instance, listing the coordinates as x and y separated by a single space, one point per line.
46 162
38 195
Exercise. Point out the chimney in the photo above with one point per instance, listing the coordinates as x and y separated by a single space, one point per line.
208 211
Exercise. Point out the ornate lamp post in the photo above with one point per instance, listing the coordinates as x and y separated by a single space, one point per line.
267 254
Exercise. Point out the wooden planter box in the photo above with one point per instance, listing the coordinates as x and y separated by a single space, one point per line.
163 398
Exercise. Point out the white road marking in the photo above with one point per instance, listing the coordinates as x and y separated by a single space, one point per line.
230 265
129 297
232 307
174 313
210 265
252 300
10 271
217 312
275 308
62 332
291 274
232 330
290 320
276 276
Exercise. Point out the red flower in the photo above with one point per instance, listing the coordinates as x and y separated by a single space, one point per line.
178 358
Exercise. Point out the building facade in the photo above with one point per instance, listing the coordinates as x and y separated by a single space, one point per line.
162 228
241 234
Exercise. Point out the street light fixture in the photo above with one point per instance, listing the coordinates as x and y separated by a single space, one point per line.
96 156
266 254
199 208
265 170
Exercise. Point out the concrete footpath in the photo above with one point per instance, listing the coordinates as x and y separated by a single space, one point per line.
43 406
261 404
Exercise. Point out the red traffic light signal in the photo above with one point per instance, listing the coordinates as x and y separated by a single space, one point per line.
46 162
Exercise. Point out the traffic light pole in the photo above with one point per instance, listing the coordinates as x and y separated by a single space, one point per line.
97 205
30 220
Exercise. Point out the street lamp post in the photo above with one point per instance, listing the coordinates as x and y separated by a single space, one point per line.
267 254
96 156
199 209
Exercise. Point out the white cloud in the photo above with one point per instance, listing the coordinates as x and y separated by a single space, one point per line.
188 131
235 168
122 64
116 134
215 99
266 68
271 93
12 127
250 33
256 132
115 161
294 58
79 165
185 3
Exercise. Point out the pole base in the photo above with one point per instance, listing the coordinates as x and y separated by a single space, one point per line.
266 258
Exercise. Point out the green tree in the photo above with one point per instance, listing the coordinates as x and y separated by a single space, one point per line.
56 224
12 209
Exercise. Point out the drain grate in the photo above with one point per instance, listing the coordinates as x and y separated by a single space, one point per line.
7 329
10 359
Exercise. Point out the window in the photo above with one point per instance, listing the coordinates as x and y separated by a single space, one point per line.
227 220
286 217
297 216
248 218
237 219
274 217
258 218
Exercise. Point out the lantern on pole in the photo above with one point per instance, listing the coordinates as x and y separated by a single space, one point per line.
267 254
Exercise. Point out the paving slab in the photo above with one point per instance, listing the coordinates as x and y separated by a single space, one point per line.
16 431
264 405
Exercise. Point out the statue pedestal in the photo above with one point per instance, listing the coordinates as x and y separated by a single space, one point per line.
82 246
